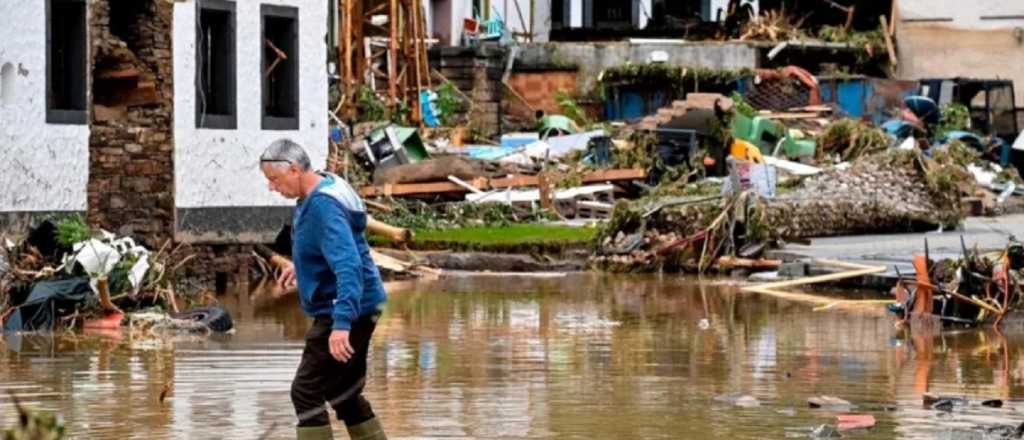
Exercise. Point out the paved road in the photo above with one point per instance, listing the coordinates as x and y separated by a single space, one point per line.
988 233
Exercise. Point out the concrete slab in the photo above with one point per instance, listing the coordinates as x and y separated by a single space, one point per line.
896 250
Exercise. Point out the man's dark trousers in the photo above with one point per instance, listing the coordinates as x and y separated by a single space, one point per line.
322 379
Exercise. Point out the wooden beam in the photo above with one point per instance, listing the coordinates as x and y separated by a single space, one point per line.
501 183
393 54
888 41
864 270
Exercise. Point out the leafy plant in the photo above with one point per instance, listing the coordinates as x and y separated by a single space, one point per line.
73 230
371 107
449 104
571 109
955 116
677 80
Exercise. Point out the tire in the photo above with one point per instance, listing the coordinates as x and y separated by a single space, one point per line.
215 317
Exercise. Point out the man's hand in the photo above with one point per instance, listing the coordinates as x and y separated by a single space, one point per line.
287 278
340 348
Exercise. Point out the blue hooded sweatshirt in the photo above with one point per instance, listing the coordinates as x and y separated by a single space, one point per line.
336 274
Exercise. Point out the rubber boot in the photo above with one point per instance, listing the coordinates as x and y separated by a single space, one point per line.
314 433
368 430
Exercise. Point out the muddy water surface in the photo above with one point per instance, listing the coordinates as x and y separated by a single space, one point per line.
587 356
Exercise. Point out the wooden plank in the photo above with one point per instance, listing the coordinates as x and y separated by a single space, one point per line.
411 188
127 73
484 184
615 175
860 271
888 41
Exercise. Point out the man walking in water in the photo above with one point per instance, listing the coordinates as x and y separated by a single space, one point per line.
339 287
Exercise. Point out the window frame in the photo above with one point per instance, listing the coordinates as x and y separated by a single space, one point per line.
227 121
72 115
269 122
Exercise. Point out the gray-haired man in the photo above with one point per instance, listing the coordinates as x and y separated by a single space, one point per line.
339 287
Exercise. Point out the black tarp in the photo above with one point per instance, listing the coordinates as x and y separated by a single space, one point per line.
47 301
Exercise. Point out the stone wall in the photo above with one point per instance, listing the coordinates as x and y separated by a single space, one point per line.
476 72
131 173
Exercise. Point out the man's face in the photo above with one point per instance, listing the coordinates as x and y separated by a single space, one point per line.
283 179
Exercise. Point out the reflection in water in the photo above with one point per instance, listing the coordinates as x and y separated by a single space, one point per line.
589 356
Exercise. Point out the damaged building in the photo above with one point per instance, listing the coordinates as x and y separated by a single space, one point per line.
147 117
945 39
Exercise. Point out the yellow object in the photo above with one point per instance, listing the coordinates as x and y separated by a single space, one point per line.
744 150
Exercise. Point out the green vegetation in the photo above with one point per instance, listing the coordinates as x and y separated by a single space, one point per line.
449 104
515 234
420 215
678 79
955 116
572 110
72 230
371 107
34 425
852 139
520 238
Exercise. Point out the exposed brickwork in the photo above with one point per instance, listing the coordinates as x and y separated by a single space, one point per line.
131 173
215 265
539 88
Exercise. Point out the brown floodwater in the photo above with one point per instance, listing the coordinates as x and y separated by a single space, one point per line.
581 357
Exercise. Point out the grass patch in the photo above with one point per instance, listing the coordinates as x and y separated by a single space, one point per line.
520 238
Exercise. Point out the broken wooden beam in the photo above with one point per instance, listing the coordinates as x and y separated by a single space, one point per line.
396 234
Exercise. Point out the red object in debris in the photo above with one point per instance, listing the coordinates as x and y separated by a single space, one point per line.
110 322
923 301
855 421
709 161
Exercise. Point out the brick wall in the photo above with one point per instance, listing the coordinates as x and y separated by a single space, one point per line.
476 71
538 89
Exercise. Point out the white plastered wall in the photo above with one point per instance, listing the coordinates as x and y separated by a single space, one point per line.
978 14
220 168
43 167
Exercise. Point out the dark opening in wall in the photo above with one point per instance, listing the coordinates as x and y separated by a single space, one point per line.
126 16
215 65
280 67
66 53
121 77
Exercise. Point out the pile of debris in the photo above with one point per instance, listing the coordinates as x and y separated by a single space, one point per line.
976 289
897 191
888 192
64 275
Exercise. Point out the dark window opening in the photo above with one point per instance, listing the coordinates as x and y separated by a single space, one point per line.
66 39
280 68
215 65
558 14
